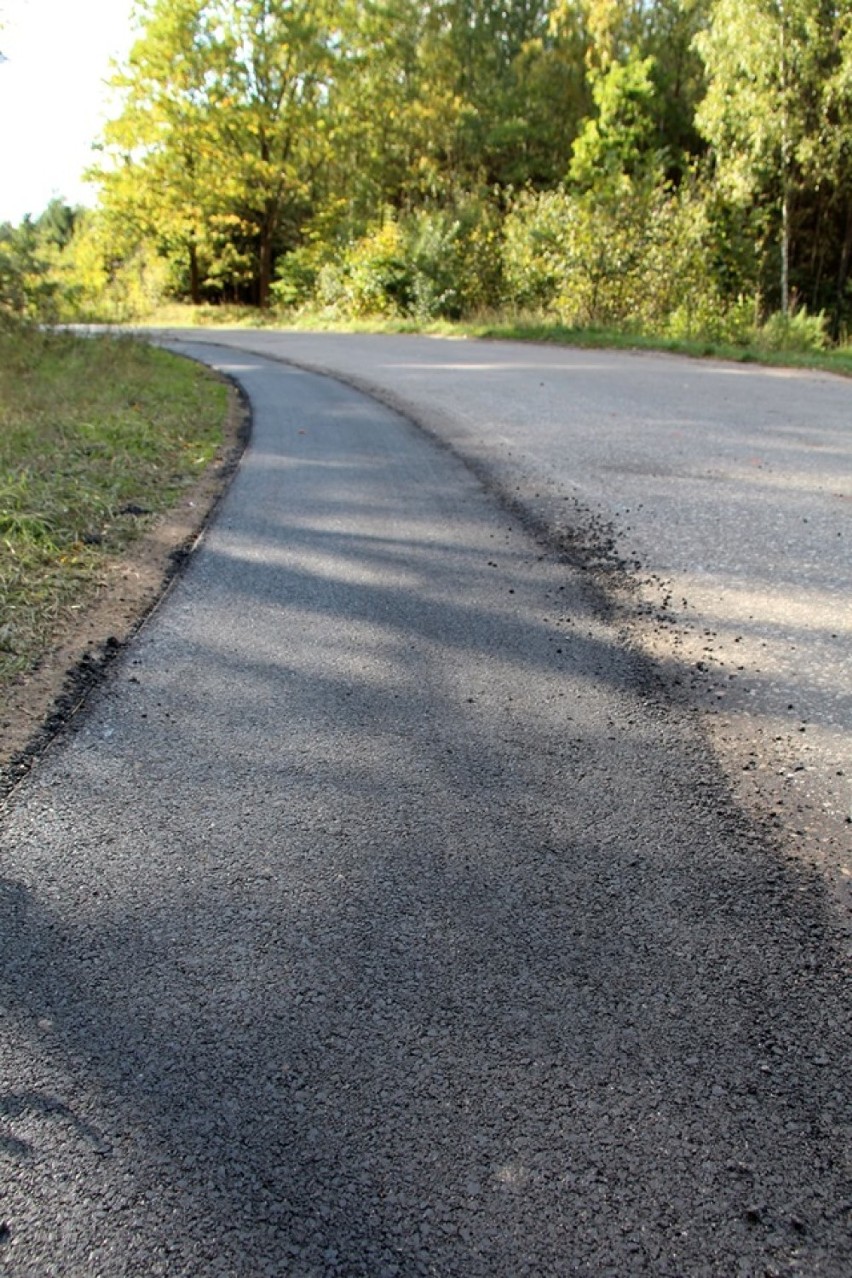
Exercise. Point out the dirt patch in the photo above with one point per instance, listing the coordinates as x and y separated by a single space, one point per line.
40 703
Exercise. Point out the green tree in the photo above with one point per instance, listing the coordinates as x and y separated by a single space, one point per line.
221 131
55 226
776 114
515 123
273 131
387 121
160 179
826 158
621 139
628 32
27 287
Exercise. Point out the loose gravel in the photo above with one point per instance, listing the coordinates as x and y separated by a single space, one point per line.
381 917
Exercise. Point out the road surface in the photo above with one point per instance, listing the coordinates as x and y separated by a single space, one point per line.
726 491
383 915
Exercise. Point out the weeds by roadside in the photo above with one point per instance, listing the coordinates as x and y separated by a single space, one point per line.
760 350
97 436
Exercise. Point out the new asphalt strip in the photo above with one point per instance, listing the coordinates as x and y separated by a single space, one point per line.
381 916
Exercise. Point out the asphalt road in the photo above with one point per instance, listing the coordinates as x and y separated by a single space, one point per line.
726 490
384 915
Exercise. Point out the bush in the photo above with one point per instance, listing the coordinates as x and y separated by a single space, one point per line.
432 264
95 279
27 288
379 278
797 332
711 318
457 259
435 249
632 255
536 248
298 275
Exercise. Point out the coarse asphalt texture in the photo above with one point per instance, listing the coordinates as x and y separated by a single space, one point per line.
380 916
713 499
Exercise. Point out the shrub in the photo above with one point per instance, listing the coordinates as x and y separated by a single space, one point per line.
456 255
631 255
27 288
377 278
710 317
437 263
796 332
536 239
298 275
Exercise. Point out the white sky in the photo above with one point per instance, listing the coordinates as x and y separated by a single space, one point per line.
52 96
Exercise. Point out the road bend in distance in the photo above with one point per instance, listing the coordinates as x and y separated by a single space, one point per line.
378 919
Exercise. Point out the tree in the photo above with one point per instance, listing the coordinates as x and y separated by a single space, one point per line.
460 94
27 288
776 114
56 225
501 60
162 179
385 122
615 33
277 81
220 133
826 158
622 137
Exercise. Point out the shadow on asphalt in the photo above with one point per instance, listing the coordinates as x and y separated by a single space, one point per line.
382 918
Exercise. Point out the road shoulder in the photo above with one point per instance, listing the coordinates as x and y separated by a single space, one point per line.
35 708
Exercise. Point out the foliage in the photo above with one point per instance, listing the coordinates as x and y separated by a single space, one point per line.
681 165
297 275
457 257
796 332
431 263
634 255
213 152
26 286
620 137
371 277
777 113
103 275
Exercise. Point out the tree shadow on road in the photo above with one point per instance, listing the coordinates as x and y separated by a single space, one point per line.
381 918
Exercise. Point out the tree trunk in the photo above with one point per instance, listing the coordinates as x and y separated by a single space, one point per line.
785 251
785 169
194 275
843 271
264 280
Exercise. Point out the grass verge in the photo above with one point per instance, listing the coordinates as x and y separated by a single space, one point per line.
502 327
97 438
835 361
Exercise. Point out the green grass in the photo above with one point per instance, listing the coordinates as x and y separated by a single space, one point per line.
838 360
89 428
184 315
502 327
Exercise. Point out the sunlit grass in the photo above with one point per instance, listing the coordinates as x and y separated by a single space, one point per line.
97 436
838 360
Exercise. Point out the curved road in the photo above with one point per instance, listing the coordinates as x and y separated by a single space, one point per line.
725 489
385 915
